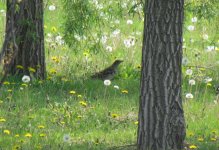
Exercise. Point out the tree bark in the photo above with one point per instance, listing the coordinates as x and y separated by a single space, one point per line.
24 38
161 116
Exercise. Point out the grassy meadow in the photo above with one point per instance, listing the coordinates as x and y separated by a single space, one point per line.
71 111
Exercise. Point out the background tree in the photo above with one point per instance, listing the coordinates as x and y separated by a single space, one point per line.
161 118
23 47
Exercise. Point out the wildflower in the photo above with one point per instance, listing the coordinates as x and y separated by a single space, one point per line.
189 72
104 39
109 48
194 19
79 96
52 7
115 32
41 126
213 139
210 48
138 66
45 26
205 36
129 22
79 116
54 29
19 67
209 84
185 61
9 90
107 82
189 96
53 71
2 120
42 135
191 27
62 122
193 147
31 69
116 86
1 101
17 135
83 103
200 139
207 79
191 134
26 79
6 83
72 92
16 147
192 82
24 84
6 132
28 135
125 91
136 122
86 54
66 138
115 115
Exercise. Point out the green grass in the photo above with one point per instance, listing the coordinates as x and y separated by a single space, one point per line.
96 116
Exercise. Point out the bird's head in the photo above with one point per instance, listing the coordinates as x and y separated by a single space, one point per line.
117 62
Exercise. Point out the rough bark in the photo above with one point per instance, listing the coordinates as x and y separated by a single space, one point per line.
161 116
24 38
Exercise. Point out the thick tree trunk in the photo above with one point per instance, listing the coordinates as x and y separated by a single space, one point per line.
161 116
24 38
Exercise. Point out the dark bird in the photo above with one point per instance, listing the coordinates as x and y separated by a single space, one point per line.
109 72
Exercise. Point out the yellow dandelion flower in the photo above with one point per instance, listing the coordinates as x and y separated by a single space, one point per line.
213 139
19 67
83 103
16 147
115 115
2 120
24 84
209 84
79 96
217 49
136 122
193 147
49 78
45 26
6 83
41 126
191 134
17 135
200 139
42 135
214 131
9 90
40 82
86 54
79 116
6 132
138 66
1 101
53 29
53 71
202 69
28 135
31 69
125 91
62 122
72 92
31 117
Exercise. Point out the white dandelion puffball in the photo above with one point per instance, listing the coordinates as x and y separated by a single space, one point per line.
116 86
205 36
109 48
129 22
52 7
194 19
192 82
191 27
189 96
189 72
107 82
26 79
208 79
66 138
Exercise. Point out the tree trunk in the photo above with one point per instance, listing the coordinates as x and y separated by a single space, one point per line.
23 48
161 116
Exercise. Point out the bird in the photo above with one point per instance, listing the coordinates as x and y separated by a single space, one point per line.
109 72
